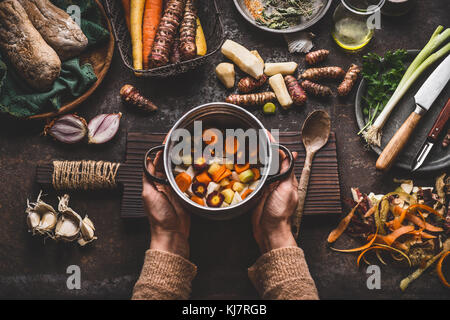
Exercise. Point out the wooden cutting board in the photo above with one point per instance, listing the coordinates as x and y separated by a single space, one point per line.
324 195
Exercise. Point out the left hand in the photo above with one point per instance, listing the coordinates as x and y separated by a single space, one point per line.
169 221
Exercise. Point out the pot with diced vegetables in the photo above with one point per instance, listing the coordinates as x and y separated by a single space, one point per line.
217 159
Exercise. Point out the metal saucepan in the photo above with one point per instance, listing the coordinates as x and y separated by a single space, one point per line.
224 115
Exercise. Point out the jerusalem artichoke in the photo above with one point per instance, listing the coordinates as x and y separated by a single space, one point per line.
349 81
317 56
316 89
132 96
251 100
248 84
296 92
315 74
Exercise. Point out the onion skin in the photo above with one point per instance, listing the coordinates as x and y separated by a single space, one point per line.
103 127
68 129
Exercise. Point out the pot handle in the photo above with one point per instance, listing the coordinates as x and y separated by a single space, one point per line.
282 176
147 173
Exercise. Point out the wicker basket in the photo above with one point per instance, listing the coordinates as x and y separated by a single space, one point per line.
211 22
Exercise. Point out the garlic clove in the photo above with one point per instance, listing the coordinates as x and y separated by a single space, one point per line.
67 229
87 229
33 220
67 129
103 127
48 222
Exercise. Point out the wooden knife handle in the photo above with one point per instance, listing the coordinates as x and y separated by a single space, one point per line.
440 123
397 143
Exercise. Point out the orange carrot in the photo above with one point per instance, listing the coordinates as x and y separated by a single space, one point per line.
218 174
336 233
224 175
417 221
240 169
439 269
152 18
203 178
246 193
256 173
390 238
198 200
126 11
183 181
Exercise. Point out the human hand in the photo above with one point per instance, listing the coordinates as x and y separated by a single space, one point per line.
169 222
272 217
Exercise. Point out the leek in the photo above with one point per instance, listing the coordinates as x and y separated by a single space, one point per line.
423 60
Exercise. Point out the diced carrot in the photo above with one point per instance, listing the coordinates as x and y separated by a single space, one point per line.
210 136
256 173
226 174
183 181
231 145
203 178
239 169
246 193
230 186
198 200
218 174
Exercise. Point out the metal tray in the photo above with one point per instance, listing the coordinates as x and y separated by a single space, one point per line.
306 23
439 158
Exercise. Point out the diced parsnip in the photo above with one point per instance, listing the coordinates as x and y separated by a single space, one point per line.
213 168
279 87
178 170
238 187
225 73
224 182
243 58
190 171
228 195
285 68
243 190
234 176
224 205
256 54
212 186
254 185
236 199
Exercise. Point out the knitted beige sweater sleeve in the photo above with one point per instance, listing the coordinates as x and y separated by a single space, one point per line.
164 276
278 274
283 274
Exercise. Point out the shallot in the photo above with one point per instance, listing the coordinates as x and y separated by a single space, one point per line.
103 127
69 128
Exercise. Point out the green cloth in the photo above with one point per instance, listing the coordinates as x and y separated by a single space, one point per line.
19 100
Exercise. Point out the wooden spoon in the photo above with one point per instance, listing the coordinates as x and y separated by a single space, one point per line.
315 133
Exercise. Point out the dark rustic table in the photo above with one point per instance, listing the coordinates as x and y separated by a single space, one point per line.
30 268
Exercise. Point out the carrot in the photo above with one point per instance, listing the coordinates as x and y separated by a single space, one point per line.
136 16
218 174
246 193
390 238
152 17
198 200
126 12
417 221
256 173
203 178
240 169
362 248
439 269
230 185
342 226
226 174
231 145
200 40
166 33
183 181
188 30
211 136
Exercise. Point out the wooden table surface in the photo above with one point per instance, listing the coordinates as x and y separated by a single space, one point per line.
30 268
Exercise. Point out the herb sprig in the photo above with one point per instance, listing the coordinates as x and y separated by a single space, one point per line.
282 14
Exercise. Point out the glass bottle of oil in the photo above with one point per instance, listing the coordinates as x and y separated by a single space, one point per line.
354 22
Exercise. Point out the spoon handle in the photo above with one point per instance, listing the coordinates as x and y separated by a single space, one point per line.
302 191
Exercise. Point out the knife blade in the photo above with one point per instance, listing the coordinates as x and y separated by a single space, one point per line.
432 137
423 99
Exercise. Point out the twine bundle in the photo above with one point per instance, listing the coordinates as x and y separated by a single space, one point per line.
85 175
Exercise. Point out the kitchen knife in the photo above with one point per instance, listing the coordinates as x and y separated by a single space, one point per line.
432 137
424 98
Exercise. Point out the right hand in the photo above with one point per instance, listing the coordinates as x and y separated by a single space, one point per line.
272 217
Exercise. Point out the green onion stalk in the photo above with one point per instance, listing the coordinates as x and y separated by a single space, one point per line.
423 61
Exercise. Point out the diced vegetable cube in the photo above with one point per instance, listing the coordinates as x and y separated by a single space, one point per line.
236 199
213 168
246 176
212 186
238 187
228 194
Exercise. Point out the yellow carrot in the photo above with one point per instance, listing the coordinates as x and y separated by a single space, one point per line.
200 40
136 17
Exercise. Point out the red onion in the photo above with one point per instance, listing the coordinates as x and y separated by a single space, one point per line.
103 127
67 129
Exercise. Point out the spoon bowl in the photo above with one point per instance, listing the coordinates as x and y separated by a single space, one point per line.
316 130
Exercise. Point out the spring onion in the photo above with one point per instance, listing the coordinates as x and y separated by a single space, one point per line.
423 60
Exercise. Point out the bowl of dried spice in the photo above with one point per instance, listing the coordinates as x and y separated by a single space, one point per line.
282 16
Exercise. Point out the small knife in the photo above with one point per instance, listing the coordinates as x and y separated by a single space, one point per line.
424 98
432 137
